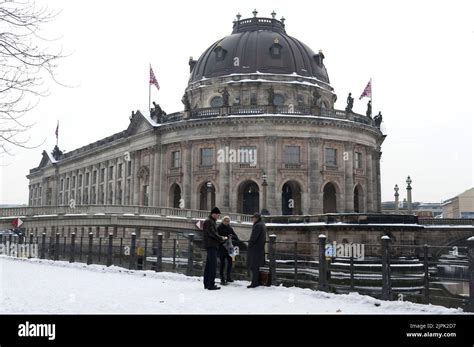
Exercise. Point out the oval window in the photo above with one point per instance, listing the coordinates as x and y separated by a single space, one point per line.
217 101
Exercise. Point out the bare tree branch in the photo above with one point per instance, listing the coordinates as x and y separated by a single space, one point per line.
26 64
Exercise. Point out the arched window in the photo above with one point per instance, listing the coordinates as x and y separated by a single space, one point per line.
275 49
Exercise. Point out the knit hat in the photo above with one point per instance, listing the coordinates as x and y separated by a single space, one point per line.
215 210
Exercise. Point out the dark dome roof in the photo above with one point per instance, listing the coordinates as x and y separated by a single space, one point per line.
262 45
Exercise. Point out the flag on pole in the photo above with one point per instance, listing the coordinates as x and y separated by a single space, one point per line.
17 222
367 91
153 79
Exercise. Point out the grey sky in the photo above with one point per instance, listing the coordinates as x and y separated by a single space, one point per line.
418 53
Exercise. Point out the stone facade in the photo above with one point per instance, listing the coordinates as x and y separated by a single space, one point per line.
309 158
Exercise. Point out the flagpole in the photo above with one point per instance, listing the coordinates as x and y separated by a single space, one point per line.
149 90
57 134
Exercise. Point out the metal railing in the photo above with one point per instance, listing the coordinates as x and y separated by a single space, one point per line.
439 275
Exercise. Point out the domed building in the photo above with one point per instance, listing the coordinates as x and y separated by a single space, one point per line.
258 132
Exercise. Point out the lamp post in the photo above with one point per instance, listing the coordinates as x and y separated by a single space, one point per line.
409 194
396 196
209 195
264 185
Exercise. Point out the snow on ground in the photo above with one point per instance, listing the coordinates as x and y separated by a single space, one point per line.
45 286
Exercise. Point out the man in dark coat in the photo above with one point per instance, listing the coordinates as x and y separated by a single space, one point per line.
224 229
256 249
211 241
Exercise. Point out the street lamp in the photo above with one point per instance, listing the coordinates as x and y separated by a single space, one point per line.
396 196
409 181
264 185
209 195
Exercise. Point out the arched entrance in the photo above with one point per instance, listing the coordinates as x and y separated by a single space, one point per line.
175 195
291 198
329 198
205 193
358 199
248 198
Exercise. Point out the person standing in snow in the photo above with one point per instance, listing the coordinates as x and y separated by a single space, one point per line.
256 249
224 229
211 241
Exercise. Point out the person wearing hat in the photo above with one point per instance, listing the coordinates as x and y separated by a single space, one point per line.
211 240
256 249
224 229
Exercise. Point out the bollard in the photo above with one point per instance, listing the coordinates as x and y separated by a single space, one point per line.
43 245
295 259
352 272
272 259
56 247
159 252
30 246
426 292
89 253
189 269
133 253
109 250
386 288
323 281
470 245
72 246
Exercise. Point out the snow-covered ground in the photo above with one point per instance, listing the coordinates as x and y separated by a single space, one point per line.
45 286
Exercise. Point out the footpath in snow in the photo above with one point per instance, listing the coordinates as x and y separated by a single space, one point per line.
46 286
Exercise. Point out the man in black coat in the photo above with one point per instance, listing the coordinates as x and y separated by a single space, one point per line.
224 229
211 241
256 249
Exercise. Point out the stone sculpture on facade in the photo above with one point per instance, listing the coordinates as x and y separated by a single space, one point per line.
350 103
225 96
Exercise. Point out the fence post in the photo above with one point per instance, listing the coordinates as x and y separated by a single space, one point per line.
352 272
175 241
426 279
89 253
30 246
323 281
470 254
295 259
71 251
386 288
159 252
31 238
43 245
100 249
272 259
109 249
189 269
121 251
56 247
133 253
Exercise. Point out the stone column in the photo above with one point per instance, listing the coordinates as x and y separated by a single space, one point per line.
348 176
136 179
269 161
186 166
370 179
163 179
151 179
377 168
223 179
315 177
155 178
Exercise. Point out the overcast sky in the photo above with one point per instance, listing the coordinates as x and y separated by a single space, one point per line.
419 54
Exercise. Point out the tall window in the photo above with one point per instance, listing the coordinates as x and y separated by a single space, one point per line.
119 170
94 177
62 184
358 160
73 182
111 194
247 156
207 155
253 99
67 183
86 183
119 193
102 174
79 181
291 155
129 168
145 195
111 172
176 159
331 156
